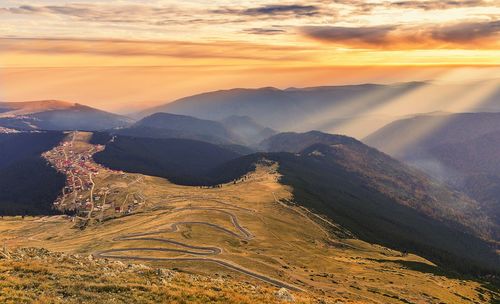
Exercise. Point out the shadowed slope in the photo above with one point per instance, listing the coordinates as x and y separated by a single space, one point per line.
28 184
179 160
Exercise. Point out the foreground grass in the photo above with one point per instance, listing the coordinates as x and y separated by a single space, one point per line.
38 276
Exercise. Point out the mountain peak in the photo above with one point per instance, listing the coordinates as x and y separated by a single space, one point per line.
56 115
30 107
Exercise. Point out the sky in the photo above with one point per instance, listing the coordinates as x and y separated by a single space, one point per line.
126 55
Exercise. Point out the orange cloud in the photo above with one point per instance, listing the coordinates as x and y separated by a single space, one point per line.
467 35
439 4
177 49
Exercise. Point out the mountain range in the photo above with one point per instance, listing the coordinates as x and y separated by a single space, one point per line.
344 109
291 109
233 130
377 198
416 134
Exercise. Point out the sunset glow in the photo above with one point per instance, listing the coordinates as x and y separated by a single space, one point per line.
155 51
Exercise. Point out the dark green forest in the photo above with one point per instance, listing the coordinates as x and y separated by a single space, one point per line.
28 184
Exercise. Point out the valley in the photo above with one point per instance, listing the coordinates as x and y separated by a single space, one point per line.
247 230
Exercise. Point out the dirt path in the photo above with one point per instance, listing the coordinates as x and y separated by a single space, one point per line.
243 233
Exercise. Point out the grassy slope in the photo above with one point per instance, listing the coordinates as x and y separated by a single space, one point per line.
39 276
344 197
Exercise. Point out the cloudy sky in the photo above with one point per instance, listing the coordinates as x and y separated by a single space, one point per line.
126 54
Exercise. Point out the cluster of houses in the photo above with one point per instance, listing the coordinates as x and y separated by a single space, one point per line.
76 163
78 168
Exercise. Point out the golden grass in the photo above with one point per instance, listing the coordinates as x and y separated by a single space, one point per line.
60 278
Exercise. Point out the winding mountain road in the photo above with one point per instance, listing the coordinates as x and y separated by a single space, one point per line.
197 251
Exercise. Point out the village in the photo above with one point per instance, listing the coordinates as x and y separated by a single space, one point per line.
85 195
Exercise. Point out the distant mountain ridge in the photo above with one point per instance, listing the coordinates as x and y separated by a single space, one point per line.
234 130
31 107
57 115
398 138
289 109
342 109
166 125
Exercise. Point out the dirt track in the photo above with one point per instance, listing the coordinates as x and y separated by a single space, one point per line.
190 249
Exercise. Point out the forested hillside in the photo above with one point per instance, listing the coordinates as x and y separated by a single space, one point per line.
28 184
